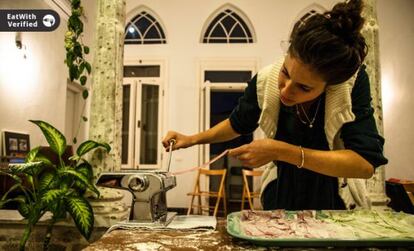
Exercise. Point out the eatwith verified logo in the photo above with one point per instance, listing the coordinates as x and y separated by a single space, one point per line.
28 20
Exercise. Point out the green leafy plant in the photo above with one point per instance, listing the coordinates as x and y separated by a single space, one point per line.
55 187
79 68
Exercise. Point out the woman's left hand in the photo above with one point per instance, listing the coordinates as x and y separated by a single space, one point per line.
257 153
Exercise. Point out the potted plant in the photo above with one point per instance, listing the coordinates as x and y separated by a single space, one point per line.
58 188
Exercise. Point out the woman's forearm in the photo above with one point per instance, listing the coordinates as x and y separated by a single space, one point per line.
218 133
338 163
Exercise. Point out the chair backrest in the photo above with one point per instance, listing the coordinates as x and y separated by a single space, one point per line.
219 194
215 172
247 192
247 172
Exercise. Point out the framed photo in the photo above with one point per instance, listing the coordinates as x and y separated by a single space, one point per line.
15 144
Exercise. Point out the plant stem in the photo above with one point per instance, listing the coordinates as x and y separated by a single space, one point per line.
48 236
26 234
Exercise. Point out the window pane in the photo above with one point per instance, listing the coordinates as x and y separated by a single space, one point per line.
149 124
238 32
152 33
227 76
218 32
143 23
142 71
131 32
228 22
126 99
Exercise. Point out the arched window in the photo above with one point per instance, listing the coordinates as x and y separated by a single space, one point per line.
144 29
309 11
228 26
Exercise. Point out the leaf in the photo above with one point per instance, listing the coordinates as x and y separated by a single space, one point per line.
86 169
23 208
83 80
58 209
82 214
17 199
14 187
43 159
73 72
32 154
79 176
77 50
86 49
81 67
51 195
90 145
75 4
69 58
85 94
27 168
74 140
46 180
88 67
54 137
13 176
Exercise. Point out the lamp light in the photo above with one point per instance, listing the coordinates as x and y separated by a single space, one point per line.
19 44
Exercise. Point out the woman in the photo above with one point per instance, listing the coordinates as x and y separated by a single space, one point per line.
314 108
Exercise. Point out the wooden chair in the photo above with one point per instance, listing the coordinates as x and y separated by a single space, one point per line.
219 195
246 189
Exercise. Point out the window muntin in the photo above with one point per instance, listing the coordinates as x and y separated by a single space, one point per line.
228 27
144 29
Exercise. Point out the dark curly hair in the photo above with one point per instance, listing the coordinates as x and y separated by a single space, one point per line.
331 43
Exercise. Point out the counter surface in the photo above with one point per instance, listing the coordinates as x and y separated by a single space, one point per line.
145 239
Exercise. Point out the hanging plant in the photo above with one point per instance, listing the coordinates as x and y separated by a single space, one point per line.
79 68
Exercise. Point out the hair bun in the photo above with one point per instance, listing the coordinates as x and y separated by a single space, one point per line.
345 19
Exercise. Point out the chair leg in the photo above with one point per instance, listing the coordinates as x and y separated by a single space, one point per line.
225 202
249 197
195 191
190 207
217 205
243 197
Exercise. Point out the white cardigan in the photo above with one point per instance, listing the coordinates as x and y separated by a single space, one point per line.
338 110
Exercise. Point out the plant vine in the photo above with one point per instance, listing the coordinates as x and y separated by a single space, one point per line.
79 68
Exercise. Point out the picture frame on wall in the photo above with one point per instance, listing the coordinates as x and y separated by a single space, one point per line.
15 145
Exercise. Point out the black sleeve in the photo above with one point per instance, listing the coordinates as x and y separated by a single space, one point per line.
362 135
245 115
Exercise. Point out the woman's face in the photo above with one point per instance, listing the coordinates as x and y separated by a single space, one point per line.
298 83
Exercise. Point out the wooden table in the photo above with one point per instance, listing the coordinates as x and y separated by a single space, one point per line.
217 240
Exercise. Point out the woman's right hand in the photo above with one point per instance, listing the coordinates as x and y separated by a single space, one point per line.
181 141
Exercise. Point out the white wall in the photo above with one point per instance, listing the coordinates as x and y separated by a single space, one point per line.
35 87
396 34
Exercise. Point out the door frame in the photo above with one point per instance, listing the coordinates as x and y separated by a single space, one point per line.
205 88
161 81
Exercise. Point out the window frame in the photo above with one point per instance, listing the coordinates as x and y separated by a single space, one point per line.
223 9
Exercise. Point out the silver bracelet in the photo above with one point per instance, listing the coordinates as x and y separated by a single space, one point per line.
302 153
